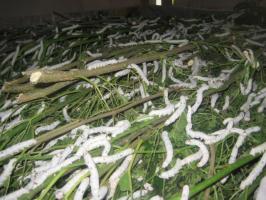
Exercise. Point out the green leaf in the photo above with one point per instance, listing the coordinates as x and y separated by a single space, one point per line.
124 183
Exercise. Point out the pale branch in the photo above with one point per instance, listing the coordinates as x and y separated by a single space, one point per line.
41 93
51 76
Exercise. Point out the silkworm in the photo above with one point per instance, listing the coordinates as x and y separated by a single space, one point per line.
15 195
178 112
254 173
140 73
156 197
60 193
94 55
203 149
156 66
74 26
258 149
250 41
169 109
260 192
14 59
114 157
179 164
47 127
199 97
164 71
94 175
185 193
65 114
115 177
98 64
59 65
17 148
214 99
122 73
238 144
192 133
82 189
41 108
8 168
226 103
169 149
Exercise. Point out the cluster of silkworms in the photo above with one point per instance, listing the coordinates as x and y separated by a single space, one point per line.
88 138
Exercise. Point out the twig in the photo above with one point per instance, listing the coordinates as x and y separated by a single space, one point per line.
48 76
211 169
40 93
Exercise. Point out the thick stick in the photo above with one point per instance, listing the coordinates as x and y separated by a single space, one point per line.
46 76
40 93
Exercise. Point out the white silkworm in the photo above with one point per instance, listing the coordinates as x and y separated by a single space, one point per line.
178 112
8 168
254 42
119 128
15 195
115 177
139 193
254 173
262 106
164 71
156 66
260 192
98 64
114 157
226 103
60 193
169 109
41 50
18 111
247 116
5 114
238 144
102 193
192 133
11 55
65 114
7 104
246 106
94 175
199 97
94 55
179 164
104 29
169 149
59 65
32 50
48 127
258 149
122 73
41 108
17 148
92 143
157 197
214 99
165 96
143 95
74 26
140 73
82 189
14 59
144 67
203 149
185 193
